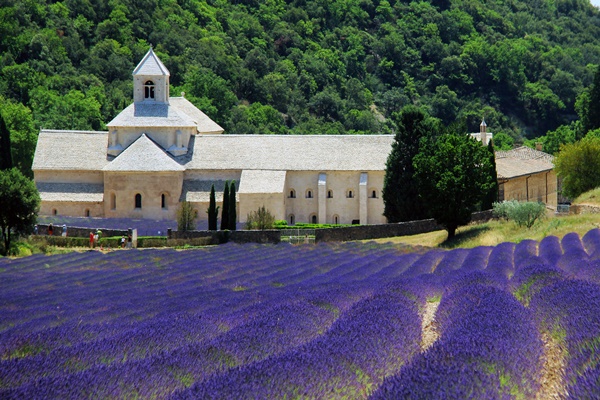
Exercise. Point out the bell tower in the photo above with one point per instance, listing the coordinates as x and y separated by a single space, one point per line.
151 80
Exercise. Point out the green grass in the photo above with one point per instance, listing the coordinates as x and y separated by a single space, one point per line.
592 197
495 232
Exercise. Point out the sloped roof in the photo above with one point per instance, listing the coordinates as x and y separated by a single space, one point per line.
291 152
522 161
70 150
198 191
151 65
202 121
150 114
261 181
71 192
143 155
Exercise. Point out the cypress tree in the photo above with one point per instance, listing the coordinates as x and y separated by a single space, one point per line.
492 195
400 188
225 208
232 206
213 211
5 152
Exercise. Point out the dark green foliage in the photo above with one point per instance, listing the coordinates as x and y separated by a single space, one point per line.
19 205
309 66
453 176
232 207
213 210
400 189
225 208
592 119
186 217
5 148
492 194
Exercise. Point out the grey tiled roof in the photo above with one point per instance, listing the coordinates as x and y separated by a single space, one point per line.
261 181
522 161
204 123
70 150
151 65
291 152
198 191
75 192
151 114
143 155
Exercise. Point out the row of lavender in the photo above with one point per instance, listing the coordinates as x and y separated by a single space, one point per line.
324 321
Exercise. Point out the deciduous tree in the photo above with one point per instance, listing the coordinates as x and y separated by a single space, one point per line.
577 165
19 205
452 175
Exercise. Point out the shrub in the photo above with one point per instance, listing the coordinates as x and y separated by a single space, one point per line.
524 214
260 219
186 217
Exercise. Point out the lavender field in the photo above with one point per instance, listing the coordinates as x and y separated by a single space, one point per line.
326 321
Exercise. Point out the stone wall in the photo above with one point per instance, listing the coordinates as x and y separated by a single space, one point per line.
73 231
219 237
365 232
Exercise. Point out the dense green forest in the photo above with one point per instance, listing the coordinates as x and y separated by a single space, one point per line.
300 66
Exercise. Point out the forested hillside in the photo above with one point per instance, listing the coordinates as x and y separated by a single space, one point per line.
300 66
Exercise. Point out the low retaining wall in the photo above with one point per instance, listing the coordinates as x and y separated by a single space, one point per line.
584 209
365 232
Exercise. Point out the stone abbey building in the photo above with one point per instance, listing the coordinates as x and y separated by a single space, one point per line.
162 150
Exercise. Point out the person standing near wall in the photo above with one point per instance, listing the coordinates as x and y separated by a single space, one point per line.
91 240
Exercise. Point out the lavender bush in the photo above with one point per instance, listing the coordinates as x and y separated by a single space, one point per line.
345 320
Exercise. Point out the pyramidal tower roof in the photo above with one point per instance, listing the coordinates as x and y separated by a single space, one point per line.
143 155
151 65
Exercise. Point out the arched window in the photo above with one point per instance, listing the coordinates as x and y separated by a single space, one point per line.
138 201
313 219
309 194
374 194
113 201
292 219
54 211
149 90
349 194
292 194
330 194
336 219
87 212
163 201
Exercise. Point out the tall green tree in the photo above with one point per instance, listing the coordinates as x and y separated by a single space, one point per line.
225 208
5 148
232 207
213 210
577 165
19 206
452 175
400 190
492 194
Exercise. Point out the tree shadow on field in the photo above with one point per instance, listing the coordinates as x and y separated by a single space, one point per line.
461 237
